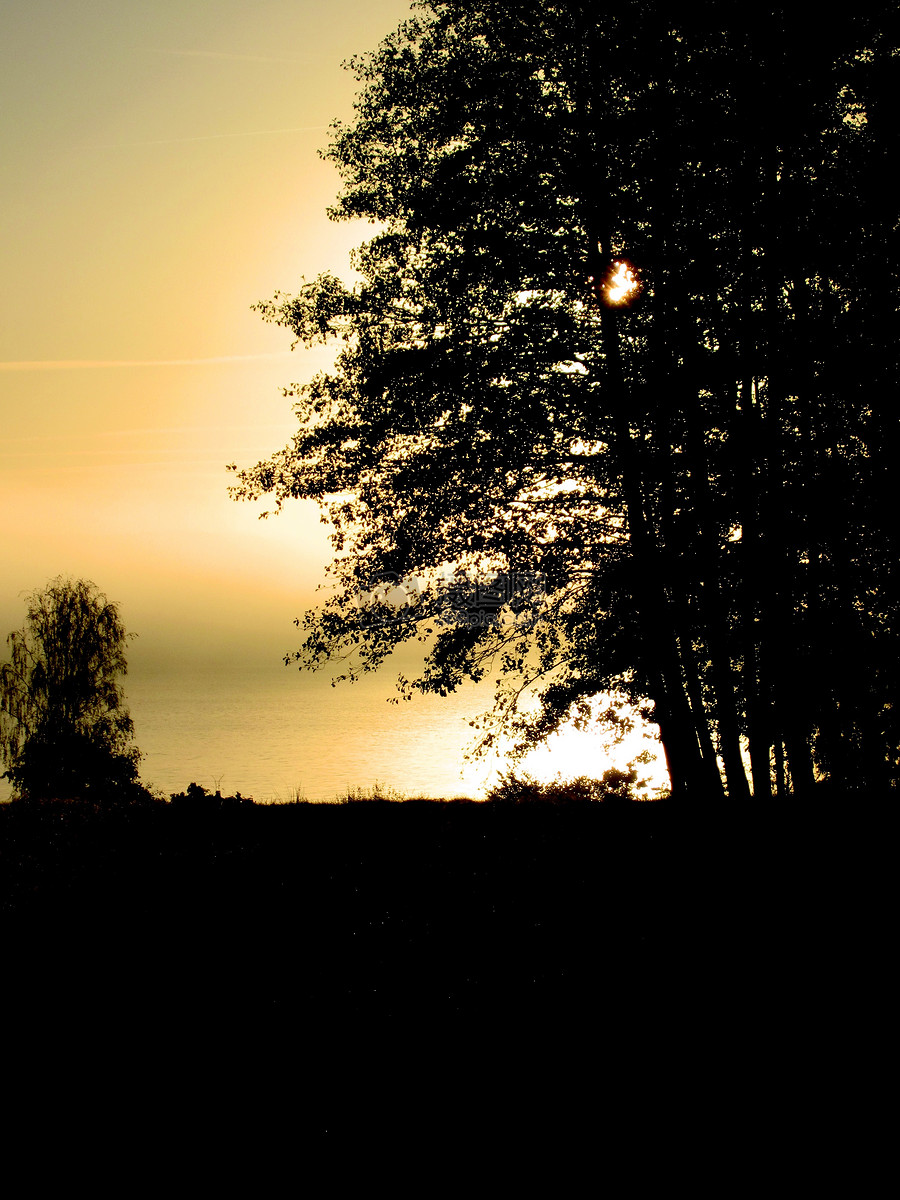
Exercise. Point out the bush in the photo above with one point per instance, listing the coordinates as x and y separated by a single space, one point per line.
197 799
615 786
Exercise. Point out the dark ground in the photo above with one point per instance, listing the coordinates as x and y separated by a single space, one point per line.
426 961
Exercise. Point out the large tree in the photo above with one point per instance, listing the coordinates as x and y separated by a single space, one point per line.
678 488
65 732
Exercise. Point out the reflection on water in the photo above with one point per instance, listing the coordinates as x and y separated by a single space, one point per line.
272 732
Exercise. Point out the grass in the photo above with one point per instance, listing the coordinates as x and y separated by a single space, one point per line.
319 916
378 792
329 944
425 973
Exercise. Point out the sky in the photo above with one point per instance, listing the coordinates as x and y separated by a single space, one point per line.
161 176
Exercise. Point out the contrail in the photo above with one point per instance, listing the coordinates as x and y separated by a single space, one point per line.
76 364
203 137
141 431
226 55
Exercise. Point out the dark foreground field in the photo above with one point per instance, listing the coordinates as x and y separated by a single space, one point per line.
371 955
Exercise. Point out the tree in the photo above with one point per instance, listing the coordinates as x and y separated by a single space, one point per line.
64 730
680 487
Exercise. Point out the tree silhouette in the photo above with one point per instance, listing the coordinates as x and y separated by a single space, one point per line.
64 730
690 486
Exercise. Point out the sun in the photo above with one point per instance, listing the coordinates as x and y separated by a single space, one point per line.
622 285
570 752
618 286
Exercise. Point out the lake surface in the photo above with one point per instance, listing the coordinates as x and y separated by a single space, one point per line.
272 732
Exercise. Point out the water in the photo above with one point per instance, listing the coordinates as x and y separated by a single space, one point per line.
271 733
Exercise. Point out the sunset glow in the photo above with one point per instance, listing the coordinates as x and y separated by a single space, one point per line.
133 368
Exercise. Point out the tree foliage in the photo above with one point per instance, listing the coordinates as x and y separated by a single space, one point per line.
686 499
64 730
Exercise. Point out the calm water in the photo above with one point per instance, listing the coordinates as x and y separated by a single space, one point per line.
270 732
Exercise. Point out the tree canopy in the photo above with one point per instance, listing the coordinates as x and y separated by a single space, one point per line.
64 730
678 490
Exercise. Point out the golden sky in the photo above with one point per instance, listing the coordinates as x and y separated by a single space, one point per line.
161 175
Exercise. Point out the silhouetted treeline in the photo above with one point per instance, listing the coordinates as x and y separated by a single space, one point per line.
699 474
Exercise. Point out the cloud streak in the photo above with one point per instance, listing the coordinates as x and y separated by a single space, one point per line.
203 137
227 56
142 431
78 364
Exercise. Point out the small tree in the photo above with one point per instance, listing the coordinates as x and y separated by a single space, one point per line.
64 730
